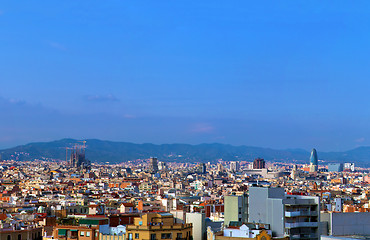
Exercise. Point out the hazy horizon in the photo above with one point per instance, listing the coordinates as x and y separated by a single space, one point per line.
282 75
236 145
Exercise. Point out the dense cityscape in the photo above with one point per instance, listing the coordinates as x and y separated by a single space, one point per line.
151 199
184 120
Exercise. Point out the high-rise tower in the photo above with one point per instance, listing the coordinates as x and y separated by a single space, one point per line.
313 158
153 165
259 163
313 161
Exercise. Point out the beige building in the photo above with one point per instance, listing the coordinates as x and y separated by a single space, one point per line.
66 232
154 226
30 233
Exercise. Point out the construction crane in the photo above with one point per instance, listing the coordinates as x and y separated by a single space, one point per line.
84 144
77 154
67 153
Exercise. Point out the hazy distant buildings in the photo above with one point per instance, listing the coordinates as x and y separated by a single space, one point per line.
201 168
295 173
349 167
162 166
78 159
220 168
234 166
258 163
153 165
335 167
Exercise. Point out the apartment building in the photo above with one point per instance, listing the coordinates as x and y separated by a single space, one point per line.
295 216
160 225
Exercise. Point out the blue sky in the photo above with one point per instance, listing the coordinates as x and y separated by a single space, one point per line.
279 74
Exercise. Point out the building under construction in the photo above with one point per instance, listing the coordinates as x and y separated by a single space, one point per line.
77 158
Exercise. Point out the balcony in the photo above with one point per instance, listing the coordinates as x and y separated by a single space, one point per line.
293 214
299 202
304 236
301 213
158 227
301 224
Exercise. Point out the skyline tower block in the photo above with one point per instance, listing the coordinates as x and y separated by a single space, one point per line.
153 165
259 163
313 158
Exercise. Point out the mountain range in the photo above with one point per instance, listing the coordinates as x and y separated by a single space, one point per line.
117 152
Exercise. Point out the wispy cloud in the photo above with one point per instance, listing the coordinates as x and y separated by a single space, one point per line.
360 140
202 128
58 46
102 98
12 101
129 116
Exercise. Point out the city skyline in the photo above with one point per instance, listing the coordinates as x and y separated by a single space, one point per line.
290 75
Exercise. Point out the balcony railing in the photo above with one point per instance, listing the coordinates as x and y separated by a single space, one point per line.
301 213
303 236
301 224
176 226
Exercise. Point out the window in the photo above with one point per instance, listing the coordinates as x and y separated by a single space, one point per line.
130 236
87 234
179 235
74 233
136 236
61 232
82 233
19 237
166 235
9 237
152 236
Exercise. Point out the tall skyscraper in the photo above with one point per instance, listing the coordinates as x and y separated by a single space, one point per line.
153 165
162 166
258 163
234 166
313 158
313 161
201 168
